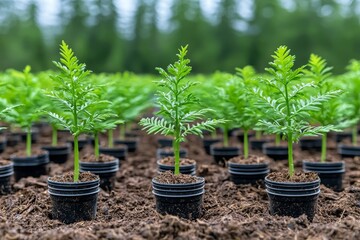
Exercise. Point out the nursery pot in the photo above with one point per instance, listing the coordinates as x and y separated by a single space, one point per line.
222 154
183 200
6 171
12 139
165 142
310 144
2 145
247 173
73 201
33 166
184 169
117 152
168 152
105 170
58 154
130 143
331 173
348 151
275 152
339 136
293 198
207 143
257 144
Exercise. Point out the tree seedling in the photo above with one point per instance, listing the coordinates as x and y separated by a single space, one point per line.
75 95
176 105
287 106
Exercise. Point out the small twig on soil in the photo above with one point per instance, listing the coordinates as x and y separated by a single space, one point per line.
342 214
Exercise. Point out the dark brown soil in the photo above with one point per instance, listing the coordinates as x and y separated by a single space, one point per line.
169 178
4 162
252 159
230 211
69 177
183 161
34 152
101 158
299 176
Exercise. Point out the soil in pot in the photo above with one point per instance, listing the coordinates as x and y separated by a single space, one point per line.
6 171
131 143
105 166
331 173
74 201
180 195
58 154
32 166
119 151
169 152
222 154
251 170
276 152
310 143
293 196
187 166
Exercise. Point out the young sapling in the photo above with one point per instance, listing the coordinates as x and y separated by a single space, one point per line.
176 105
286 106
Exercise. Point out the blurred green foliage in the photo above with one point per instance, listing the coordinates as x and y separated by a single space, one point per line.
236 33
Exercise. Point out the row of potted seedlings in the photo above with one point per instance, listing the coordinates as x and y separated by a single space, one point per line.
290 103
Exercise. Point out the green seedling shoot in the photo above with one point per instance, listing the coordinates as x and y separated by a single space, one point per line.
176 104
288 113
75 94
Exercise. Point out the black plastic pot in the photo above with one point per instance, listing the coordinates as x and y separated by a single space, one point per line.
165 142
58 154
81 143
6 171
130 143
275 152
183 200
339 136
293 198
348 151
73 201
331 173
257 144
105 170
222 154
166 152
12 139
310 144
34 136
207 143
33 166
2 145
247 173
117 152
184 169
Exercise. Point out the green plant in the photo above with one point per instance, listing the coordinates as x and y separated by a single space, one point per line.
287 106
75 95
330 112
351 99
176 104
24 92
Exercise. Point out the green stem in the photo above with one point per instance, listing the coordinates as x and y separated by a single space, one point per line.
225 136
54 136
122 132
354 136
28 142
277 140
323 147
258 135
290 155
246 144
177 156
96 147
110 138
76 159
